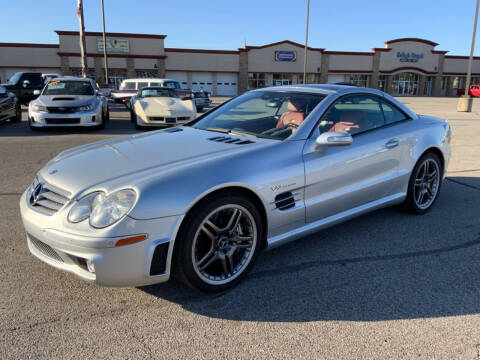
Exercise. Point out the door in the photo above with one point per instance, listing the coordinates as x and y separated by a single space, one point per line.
202 81
226 84
27 84
180 76
341 178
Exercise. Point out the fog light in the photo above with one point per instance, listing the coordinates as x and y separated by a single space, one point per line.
93 118
90 266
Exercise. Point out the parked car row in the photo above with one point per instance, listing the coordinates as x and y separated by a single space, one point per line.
73 102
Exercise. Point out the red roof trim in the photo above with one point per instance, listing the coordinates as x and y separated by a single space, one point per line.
458 73
115 55
460 57
428 42
439 52
408 68
348 53
26 45
350 71
381 49
127 35
202 51
247 48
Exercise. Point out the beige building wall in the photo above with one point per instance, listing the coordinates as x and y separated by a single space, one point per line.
263 60
351 62
454 65
389 60
194 61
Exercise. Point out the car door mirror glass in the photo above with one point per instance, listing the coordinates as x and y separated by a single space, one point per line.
334 139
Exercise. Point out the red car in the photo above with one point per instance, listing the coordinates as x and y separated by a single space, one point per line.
474 91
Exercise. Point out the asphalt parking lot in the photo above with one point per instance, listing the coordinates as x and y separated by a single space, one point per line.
387 285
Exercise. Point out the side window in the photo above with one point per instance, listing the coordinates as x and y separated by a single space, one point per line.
353 114
35 80
141 85
392 113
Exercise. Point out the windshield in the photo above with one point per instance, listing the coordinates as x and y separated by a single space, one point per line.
159 92
68 88
14 79
271 114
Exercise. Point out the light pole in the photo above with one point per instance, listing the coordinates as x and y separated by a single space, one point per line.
104 45
82 38
306 45
465 102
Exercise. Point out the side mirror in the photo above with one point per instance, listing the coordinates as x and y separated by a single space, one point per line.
36 92
26 83
334 139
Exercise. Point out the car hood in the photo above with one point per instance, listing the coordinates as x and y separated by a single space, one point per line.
126 161
64 100
164 106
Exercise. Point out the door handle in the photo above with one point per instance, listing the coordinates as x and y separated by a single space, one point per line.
392 143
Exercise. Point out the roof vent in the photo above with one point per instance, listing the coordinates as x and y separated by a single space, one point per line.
231 140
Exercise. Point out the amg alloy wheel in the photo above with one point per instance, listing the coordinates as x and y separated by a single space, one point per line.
219 245
424 185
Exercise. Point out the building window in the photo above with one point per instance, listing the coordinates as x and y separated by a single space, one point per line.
78 73
282 79
382 81
458 82
359 80
310 79
444 82
146 74
256 80
404 84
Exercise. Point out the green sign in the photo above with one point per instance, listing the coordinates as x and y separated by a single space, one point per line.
114 45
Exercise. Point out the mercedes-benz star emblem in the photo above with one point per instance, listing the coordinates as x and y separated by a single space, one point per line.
36 194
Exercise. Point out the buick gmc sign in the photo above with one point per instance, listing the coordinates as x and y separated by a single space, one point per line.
409 56
285 55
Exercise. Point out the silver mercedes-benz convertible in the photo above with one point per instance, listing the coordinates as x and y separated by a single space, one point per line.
202 200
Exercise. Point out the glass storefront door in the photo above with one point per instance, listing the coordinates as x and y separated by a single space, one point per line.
405 84
282 79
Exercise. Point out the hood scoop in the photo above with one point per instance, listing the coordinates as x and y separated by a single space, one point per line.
63 99
230 140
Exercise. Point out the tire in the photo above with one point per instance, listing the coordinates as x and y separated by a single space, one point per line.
427 183
216 259
101 126
107 118
132 116
18 114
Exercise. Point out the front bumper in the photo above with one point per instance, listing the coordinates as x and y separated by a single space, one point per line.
161 123
128 265
82 118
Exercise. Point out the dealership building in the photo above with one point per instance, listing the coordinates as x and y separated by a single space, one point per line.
403 67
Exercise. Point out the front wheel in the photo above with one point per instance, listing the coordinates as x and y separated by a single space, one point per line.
218 243
18 114
424 185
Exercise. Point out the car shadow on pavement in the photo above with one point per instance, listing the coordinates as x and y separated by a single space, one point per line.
381 266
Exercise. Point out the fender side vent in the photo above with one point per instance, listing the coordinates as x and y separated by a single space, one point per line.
159 259
285 200
230 140
172 129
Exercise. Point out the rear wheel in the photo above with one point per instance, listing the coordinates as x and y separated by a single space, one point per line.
424 185
218 243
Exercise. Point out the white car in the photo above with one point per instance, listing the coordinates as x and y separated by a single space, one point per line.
68 101
160 106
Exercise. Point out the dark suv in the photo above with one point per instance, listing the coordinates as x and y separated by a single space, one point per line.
23 85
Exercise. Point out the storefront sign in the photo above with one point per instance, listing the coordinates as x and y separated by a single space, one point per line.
409 56
114 45
284 55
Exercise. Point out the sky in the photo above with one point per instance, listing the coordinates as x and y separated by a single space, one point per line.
348 25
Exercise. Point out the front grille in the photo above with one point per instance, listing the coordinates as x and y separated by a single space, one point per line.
62 121
45 249
47 199
62 110
170 120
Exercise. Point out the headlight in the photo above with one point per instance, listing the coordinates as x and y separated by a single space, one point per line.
39 108
103 210
86 108
83 208
108 209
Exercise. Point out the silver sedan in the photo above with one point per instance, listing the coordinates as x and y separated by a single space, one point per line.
202 200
